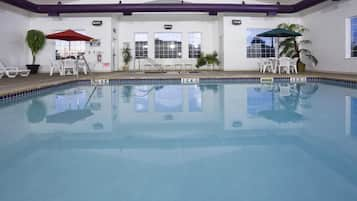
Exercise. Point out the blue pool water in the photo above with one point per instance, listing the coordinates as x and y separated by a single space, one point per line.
212 142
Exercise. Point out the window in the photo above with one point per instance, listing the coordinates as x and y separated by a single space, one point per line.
195 98
141 45
194 45
142 98
259 47
168 45
354 37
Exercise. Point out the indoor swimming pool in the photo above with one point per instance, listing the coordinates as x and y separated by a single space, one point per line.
172 142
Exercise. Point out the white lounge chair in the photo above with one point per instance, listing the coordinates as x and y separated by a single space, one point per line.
12 72
151 63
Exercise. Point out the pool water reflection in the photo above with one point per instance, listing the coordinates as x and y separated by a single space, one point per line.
181 142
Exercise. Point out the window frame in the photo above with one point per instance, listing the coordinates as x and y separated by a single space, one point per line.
160 53
194 56
353 32
147 43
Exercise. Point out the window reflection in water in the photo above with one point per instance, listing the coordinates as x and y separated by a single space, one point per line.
351 116
141 98
169 99
354 116
259 99
71 100
195 98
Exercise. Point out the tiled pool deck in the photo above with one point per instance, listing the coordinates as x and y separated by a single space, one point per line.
33 82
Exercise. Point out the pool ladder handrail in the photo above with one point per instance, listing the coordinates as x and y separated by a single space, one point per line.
192 80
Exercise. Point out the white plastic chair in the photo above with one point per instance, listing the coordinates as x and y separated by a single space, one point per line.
69 65
56 66
261 66
293 65
82 66
284 63
267 66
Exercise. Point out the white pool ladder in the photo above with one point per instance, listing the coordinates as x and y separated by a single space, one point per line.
99 82
266 80
194 80
298 79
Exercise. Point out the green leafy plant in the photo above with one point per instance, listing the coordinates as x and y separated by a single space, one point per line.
201 61
126 53
36 40
211 59
293 48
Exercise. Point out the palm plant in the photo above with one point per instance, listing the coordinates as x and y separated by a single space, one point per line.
293 48
201 61
211 59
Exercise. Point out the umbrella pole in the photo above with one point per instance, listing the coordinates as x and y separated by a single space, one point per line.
69 48
276 55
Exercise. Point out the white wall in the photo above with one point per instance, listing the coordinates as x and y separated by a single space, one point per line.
235 39
14 25
184 24
328 35
84 24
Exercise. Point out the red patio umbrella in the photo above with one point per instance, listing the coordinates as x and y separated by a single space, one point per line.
69 35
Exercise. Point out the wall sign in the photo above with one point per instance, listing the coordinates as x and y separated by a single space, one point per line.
236 22
168 26
97 22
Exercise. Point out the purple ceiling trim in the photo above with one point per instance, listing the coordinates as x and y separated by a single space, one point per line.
302 5
53 9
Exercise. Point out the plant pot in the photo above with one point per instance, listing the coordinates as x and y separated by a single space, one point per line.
301 68
33 68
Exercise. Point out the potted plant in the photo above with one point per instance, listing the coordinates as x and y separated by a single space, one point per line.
126 53
293 48
212 59
208 59
201 61
35 39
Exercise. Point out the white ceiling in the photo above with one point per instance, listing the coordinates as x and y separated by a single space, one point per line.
165 1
